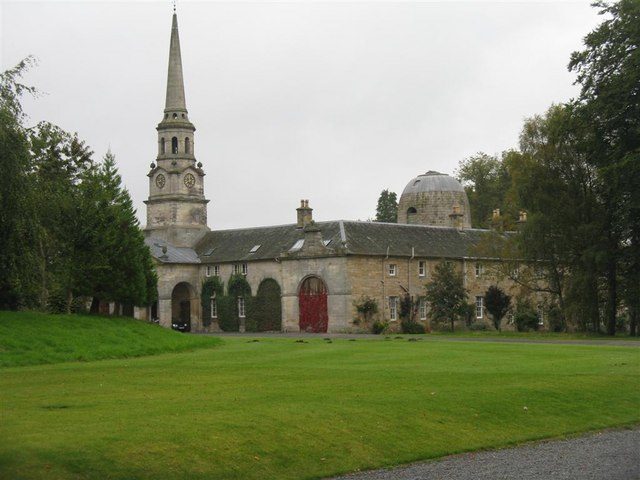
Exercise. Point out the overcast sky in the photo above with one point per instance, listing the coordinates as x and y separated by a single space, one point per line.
327 101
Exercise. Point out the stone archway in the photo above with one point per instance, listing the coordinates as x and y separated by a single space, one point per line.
312 301
182 306
268 306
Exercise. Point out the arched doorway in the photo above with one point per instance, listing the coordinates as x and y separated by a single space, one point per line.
312 300
268 307
181 307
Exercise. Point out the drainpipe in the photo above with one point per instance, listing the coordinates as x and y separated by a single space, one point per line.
413 254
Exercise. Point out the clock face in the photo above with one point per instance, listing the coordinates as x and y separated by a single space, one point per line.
189 180
160 181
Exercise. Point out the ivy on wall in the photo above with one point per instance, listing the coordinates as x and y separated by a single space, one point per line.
268 306
263 312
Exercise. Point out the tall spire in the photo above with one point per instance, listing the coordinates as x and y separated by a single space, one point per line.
175 83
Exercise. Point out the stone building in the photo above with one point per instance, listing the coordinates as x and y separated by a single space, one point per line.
319 270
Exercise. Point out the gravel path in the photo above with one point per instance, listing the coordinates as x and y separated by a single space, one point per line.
608 455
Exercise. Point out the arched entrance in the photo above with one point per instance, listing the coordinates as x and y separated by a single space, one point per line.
312 300
268 306
181 307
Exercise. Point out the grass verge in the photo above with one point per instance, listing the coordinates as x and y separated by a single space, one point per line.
29 338
291 409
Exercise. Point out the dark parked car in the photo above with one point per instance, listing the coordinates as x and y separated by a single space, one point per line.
181 326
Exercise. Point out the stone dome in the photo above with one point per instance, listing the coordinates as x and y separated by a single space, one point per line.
433 182
434 198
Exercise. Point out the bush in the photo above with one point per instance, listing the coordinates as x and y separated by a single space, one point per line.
556 320
412 327
526 319
468 313
379 327
366 306
478 327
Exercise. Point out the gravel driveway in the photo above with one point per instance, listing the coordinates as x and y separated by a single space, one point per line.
608 455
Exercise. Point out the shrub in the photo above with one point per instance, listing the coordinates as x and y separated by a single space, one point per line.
468 313
497 303
407 308
556 319
367 307
409 326
525 318
478 326
379 327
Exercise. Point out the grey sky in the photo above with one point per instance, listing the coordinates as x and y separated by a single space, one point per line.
327 101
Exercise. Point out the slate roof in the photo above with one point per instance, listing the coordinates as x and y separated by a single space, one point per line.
235 245
173 254
360 238
372 238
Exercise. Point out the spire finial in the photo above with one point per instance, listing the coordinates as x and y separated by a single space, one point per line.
174 6
175 82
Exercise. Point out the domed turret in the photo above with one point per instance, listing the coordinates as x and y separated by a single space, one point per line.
434 199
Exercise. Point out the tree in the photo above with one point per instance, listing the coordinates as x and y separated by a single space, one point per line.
18 287
486 181
387 209
446 294
497 303
120 268
67 226
609 105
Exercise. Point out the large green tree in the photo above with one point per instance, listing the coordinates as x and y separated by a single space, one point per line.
608 71
18 286
486 180
387 209
67 226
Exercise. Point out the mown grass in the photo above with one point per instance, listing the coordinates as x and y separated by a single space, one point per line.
279 409
535 335
29 338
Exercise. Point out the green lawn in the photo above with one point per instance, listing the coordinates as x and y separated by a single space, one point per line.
31 338
278 409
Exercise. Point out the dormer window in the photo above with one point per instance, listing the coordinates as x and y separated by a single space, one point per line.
174 145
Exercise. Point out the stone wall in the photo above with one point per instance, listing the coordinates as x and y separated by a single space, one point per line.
434 208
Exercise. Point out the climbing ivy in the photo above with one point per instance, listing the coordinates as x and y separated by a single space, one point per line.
267 306
209 287
262 312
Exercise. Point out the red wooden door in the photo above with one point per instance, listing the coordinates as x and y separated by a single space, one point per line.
312 301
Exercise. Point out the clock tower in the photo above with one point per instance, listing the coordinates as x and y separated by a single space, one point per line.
176 207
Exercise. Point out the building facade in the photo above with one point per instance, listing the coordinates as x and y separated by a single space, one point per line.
317 272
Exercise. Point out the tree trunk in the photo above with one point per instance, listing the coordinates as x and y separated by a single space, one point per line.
452 321
43 275
69 300
612 296
633 321
95 306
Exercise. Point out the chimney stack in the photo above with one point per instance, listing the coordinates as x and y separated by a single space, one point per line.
522 219
497 222
456 217
305 214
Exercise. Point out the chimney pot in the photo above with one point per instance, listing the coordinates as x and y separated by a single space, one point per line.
305 214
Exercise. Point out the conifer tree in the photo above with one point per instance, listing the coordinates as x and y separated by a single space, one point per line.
387 209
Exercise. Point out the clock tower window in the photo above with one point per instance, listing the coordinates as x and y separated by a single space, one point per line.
174 145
